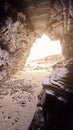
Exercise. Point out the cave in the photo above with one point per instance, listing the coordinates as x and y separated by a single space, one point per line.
22 23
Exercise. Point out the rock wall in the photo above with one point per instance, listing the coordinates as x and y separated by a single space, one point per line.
23 21
15 42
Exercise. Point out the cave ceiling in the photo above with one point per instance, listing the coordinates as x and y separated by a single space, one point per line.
22 21
51 16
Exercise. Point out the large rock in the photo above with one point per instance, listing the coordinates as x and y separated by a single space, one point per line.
55 107
14 40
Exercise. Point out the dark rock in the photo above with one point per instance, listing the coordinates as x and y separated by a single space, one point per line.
55 106
9 117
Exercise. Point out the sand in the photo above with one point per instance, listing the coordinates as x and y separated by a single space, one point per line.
18 99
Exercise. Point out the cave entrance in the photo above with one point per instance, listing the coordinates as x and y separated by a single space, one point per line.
43 54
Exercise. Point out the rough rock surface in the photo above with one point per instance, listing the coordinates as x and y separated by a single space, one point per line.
55 108
23 21
14 45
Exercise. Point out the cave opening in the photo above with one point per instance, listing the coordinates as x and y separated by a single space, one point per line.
43 54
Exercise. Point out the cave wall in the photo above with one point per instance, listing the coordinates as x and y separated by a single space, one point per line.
15 40
21 22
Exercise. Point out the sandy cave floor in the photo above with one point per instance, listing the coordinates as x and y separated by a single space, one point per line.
18 99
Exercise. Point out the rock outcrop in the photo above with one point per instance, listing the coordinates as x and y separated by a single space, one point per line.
55 107
15 43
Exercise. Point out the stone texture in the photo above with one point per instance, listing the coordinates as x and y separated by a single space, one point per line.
55 106
14 44
23 21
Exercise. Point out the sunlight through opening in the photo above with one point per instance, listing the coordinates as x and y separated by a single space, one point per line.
43 47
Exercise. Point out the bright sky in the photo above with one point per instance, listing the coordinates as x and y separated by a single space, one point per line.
43 47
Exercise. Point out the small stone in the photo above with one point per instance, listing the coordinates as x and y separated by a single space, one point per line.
23 104
16 120
9 117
